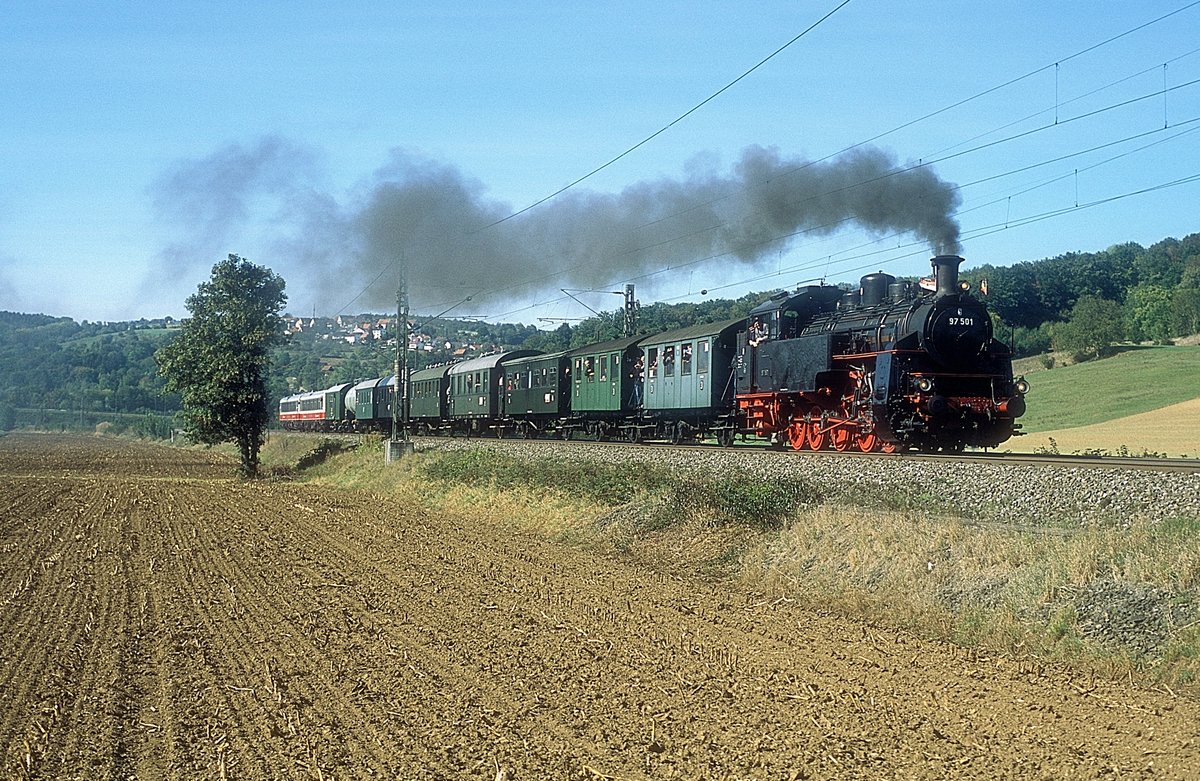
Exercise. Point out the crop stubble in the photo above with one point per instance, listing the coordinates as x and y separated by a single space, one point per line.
161 619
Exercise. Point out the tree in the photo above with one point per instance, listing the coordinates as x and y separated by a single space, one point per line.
1185 311
219 360
1094 325
1148 311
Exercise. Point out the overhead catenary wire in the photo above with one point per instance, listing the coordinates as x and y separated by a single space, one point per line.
531 282
897 171
1060 122
673 122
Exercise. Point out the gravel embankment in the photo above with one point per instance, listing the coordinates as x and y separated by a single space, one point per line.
995 492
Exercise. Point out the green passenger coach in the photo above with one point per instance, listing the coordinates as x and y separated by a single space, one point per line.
474 398
605 386
689 381
536 392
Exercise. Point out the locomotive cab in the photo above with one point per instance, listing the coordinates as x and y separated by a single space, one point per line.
770 356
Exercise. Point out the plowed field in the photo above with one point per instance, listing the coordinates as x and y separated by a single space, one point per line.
161 619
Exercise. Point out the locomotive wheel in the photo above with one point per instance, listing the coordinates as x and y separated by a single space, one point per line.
888 447
797 434
868 442
840 437
817 436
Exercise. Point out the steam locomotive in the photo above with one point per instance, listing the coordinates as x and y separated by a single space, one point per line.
891 365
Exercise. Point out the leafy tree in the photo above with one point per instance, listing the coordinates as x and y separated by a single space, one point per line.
1185 311
1148 312
220 358
549 341
1094 325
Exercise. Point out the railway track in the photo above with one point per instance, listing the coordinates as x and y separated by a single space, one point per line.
1008 458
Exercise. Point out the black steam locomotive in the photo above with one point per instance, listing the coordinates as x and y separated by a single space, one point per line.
892 365
888 365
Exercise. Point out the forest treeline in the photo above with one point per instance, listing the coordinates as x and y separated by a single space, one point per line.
1080 302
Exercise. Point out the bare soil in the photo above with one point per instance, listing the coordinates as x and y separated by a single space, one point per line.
161 619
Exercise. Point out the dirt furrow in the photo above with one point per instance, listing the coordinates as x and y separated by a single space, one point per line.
163 620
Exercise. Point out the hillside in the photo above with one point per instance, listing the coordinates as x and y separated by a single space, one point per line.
1136 380
1142 399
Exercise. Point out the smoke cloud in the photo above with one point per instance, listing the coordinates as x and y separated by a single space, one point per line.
211 202
449 234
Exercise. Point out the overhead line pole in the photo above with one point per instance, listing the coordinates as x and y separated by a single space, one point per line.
400 444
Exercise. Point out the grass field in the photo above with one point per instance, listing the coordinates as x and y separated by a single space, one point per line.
1137 380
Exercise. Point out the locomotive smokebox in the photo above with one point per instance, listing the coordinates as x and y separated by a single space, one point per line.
945 271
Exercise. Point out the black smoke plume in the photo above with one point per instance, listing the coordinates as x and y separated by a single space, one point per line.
453 241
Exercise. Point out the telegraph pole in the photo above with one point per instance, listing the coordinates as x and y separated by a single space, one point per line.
400 445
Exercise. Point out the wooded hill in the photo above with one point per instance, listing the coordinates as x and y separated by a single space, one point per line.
1079 302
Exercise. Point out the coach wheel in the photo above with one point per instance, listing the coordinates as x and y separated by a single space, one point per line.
725 437
676 433
633 434
797 434
565 432
868 442
818 437
841 437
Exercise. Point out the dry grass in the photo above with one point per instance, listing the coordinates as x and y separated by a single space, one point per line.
986 584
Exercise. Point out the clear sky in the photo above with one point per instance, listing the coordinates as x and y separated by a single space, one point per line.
142 142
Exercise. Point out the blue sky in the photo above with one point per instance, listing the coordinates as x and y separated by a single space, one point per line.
141 143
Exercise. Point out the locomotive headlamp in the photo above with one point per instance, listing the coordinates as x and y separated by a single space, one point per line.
964 286
924 384
1021 386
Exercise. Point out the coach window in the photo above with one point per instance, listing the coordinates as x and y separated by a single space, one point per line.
702 357
652 362
669 361
685 359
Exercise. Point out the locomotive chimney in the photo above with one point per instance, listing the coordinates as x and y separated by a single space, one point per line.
945 271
